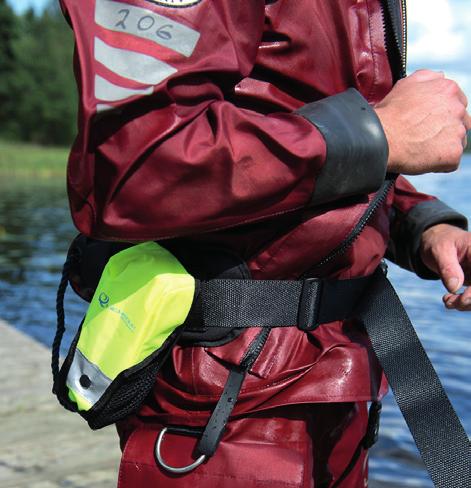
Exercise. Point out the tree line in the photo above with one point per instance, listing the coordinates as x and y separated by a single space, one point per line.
37 88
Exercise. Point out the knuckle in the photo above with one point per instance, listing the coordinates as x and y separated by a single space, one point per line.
438 251
451 157
460 110
446 269
453 87
450 87
456 151
461 131
420 72
444 249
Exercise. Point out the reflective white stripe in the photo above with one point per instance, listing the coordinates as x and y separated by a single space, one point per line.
109 92
98 382
132 65
102 107
144 23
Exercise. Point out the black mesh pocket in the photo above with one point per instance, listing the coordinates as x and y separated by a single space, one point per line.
126 393
129 389
127 397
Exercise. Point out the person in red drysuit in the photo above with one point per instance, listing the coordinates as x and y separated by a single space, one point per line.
249 138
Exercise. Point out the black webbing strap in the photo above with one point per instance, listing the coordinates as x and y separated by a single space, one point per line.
216 425
272 303
440 438
437 431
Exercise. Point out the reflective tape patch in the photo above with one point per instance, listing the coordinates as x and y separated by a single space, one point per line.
141 22
86 379
109 92
102 107
132 65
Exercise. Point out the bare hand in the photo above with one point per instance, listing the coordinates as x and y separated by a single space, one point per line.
446 250
425 121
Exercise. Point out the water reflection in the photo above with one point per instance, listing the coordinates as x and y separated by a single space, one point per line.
35 229
446 336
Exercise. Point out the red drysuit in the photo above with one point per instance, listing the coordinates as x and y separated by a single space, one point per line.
201 126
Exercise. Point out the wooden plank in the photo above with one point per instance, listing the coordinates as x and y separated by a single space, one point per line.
41 444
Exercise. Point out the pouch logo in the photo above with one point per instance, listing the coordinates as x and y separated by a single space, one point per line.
104 300
175 3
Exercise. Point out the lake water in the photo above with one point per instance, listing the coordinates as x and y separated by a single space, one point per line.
35 230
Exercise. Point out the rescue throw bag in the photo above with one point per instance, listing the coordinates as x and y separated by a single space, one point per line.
143 297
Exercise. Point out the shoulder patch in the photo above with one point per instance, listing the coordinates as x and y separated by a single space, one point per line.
175 3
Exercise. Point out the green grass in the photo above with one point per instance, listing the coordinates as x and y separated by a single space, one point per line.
23 159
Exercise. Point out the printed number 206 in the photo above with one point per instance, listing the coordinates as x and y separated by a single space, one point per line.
145 24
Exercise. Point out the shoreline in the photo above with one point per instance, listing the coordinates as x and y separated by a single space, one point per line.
30 160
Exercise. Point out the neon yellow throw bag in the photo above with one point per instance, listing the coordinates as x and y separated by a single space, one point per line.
143 297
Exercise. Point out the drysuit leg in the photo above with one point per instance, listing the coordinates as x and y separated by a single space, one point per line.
305 446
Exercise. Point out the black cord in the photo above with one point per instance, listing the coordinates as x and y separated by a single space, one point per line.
56 345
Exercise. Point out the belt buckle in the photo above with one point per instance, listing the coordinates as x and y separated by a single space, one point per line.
309 304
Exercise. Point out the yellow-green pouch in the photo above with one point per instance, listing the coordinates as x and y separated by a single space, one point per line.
143 297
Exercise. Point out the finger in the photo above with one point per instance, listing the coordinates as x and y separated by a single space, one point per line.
467 121
463 301
462 97
427 75
450 300
465 297
449 267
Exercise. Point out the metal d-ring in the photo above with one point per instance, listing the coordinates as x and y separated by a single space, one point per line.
171 469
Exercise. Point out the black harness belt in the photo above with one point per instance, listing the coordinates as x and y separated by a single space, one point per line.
259 303
437 431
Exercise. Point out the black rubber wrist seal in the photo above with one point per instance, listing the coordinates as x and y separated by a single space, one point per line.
357 148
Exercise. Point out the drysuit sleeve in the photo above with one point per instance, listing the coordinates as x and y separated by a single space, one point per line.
414 212
163 150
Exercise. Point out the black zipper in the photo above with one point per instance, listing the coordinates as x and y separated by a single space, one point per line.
404 37
400 42
398 29
375 203
255 349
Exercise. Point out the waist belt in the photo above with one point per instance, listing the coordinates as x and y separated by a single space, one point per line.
442 441
438 434
259 303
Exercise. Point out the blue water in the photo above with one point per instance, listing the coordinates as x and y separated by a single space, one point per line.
35 229
446 336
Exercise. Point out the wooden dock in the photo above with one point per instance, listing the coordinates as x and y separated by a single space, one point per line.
41 444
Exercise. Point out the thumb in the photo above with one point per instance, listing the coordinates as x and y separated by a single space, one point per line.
427 75
449 268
